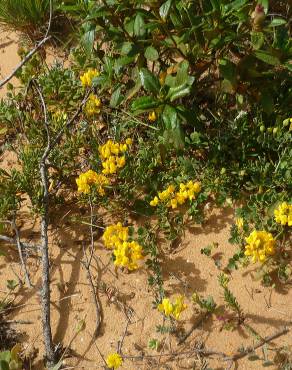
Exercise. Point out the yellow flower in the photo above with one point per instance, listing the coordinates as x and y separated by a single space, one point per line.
115 235
129 141
111 155
88 76
152 116
166 307
154 202
173 203
283 214
178 307
121 161
260 245
172 309
89 178
186 192
114 360
127 254
93 105
239 223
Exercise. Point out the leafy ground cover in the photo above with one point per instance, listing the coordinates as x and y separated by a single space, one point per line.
145 182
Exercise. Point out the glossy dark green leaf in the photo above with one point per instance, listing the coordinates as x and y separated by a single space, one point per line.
178 92
149 81
169 117
139 25
144 103
277 22
165 9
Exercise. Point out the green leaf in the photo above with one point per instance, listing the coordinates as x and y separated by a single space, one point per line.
151 53
88 40
178 92
257 39
169 117
127 47
288 65
277 22
5 356
144 103
267 57
153 344
149 81
165 9
139 25
116 98
11 284
4 365
265 4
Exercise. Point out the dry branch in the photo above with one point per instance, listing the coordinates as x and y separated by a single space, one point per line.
19 247
251 349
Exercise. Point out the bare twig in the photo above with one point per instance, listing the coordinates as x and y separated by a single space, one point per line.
33 51
121 342
19 247
9 240
45 291
18 322
94 294
250 349
26 59
202 352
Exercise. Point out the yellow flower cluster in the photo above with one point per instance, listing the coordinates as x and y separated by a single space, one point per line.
127 253
88 76
115 235
112 155
172 309
173 199
85 180
283 214
260 245
93 105
114 361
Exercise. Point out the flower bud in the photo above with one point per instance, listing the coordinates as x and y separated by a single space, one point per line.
258 16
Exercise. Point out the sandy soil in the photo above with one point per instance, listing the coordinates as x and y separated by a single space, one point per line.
8 57
123 295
